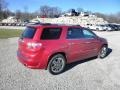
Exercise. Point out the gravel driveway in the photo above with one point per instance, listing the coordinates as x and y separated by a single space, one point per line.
94 74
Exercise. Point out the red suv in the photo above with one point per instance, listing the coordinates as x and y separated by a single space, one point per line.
52 46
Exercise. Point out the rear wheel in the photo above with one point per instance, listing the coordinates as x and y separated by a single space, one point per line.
103 52
57 64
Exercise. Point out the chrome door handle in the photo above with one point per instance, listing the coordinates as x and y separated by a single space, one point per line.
87 42
71 43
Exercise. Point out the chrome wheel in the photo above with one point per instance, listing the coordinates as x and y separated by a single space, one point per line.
103 52
56 64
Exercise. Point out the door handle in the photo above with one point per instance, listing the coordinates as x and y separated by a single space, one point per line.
87 42
71 43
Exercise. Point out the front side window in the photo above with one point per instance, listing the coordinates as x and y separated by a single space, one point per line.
51 33
74 33
88 34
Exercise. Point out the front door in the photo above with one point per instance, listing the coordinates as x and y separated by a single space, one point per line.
76 45
91 43
82 44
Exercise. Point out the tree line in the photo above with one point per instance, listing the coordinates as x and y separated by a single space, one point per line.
48 12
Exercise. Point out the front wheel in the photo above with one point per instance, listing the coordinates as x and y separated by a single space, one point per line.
56 64
103 52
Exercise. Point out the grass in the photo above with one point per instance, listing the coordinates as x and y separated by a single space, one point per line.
9 33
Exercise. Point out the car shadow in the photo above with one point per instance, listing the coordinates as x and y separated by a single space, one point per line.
109 51
71 65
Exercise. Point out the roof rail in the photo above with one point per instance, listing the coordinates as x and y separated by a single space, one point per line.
39 23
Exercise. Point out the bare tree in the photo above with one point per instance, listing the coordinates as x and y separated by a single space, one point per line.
112 18
3 7
54 12
44 10
26 14
48 11
118 15
18 14
69 10
7 13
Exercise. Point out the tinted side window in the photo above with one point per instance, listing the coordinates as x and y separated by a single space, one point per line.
28 33
51 33
88 34
74 33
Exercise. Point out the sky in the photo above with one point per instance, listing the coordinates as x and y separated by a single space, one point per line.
102 6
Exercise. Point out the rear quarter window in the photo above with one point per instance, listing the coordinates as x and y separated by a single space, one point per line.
29 32
51 33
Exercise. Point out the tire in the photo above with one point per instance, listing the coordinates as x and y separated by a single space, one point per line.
103 52
57 64
97 29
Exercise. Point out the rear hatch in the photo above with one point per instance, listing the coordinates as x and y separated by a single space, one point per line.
26 43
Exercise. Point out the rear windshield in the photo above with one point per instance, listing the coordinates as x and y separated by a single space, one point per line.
51 33
28 33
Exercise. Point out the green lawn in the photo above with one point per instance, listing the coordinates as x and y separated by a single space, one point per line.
8 33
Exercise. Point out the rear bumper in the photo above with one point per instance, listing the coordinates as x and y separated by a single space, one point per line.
30 62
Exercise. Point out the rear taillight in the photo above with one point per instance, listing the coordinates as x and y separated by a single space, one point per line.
34 45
